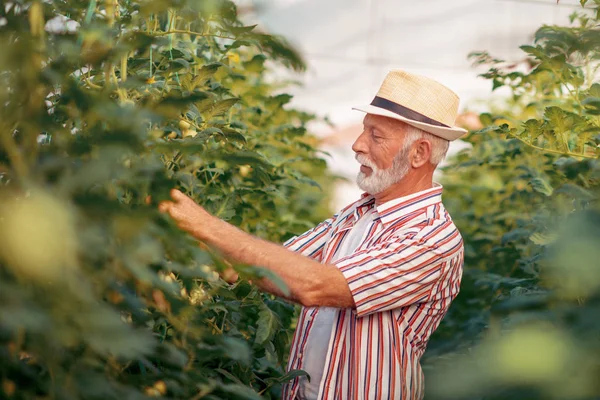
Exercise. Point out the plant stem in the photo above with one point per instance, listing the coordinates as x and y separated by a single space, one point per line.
123 71
172 16
562 153
171 31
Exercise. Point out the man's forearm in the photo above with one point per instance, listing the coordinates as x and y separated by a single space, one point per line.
309 281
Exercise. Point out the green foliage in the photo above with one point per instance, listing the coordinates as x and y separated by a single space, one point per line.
100 295
526 199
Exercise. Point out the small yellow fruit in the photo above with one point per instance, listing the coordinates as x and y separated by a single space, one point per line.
189 132
233 57
152 392
172 135
38 236
184 125
161 386
245 170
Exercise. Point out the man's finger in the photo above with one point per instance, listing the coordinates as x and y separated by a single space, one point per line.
177 195
164 206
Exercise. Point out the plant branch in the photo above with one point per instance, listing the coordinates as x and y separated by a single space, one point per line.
562 153
171 31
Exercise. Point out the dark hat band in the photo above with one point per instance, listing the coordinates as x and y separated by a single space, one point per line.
404 112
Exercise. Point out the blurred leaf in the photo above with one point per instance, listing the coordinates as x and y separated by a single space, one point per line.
267 325
541 185
543 239
240 391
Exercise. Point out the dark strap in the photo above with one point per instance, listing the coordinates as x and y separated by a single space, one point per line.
405 112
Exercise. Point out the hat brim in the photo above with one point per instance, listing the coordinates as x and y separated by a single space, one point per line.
449 134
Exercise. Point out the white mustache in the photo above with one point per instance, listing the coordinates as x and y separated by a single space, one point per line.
364 160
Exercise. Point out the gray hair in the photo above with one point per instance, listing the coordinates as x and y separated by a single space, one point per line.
439 146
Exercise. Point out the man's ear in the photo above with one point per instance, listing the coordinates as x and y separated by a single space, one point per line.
421 153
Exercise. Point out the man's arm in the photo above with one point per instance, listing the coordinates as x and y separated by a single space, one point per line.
310 282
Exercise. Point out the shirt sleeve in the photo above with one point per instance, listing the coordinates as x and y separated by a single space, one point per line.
312 242
396 273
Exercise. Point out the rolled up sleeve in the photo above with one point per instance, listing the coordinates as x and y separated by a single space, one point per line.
393 274
312 243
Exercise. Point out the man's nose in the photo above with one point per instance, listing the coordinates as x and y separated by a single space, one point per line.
359 145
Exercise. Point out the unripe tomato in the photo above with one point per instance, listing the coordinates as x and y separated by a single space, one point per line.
161 386
184 125
245 170
38 236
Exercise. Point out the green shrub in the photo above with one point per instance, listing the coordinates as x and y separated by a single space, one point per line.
526 199
100 295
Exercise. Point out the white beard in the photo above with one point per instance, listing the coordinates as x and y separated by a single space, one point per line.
381 179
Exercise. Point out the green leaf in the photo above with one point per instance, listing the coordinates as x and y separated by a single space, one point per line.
256 64
257 272
239 30
221 107
267 325
515 235
181 101
279 49
239 43
238 350
295 373
205 73
241 391
532 128
301 178
107 334
561 122
541 185
229 375
592 105
576 192
486 119
543 238
178 64
533 301
234 135
247 157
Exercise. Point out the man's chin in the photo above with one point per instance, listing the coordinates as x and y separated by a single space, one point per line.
363 184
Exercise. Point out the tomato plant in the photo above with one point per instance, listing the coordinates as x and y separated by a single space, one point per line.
106 106
526 199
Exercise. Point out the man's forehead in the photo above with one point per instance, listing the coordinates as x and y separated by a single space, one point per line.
378 120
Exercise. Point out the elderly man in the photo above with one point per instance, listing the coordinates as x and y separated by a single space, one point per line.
376 279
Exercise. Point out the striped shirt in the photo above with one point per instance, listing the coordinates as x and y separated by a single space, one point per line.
403 277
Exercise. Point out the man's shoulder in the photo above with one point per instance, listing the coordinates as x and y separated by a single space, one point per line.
433 228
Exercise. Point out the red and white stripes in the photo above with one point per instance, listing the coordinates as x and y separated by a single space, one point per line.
403 277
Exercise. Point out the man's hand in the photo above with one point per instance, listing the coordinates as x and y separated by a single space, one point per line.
310 283
188 215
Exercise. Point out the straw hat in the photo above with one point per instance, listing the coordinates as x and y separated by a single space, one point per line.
419 101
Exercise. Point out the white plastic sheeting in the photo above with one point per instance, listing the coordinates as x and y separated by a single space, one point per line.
350 45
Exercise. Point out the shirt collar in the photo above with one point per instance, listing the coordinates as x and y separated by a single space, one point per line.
396 208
